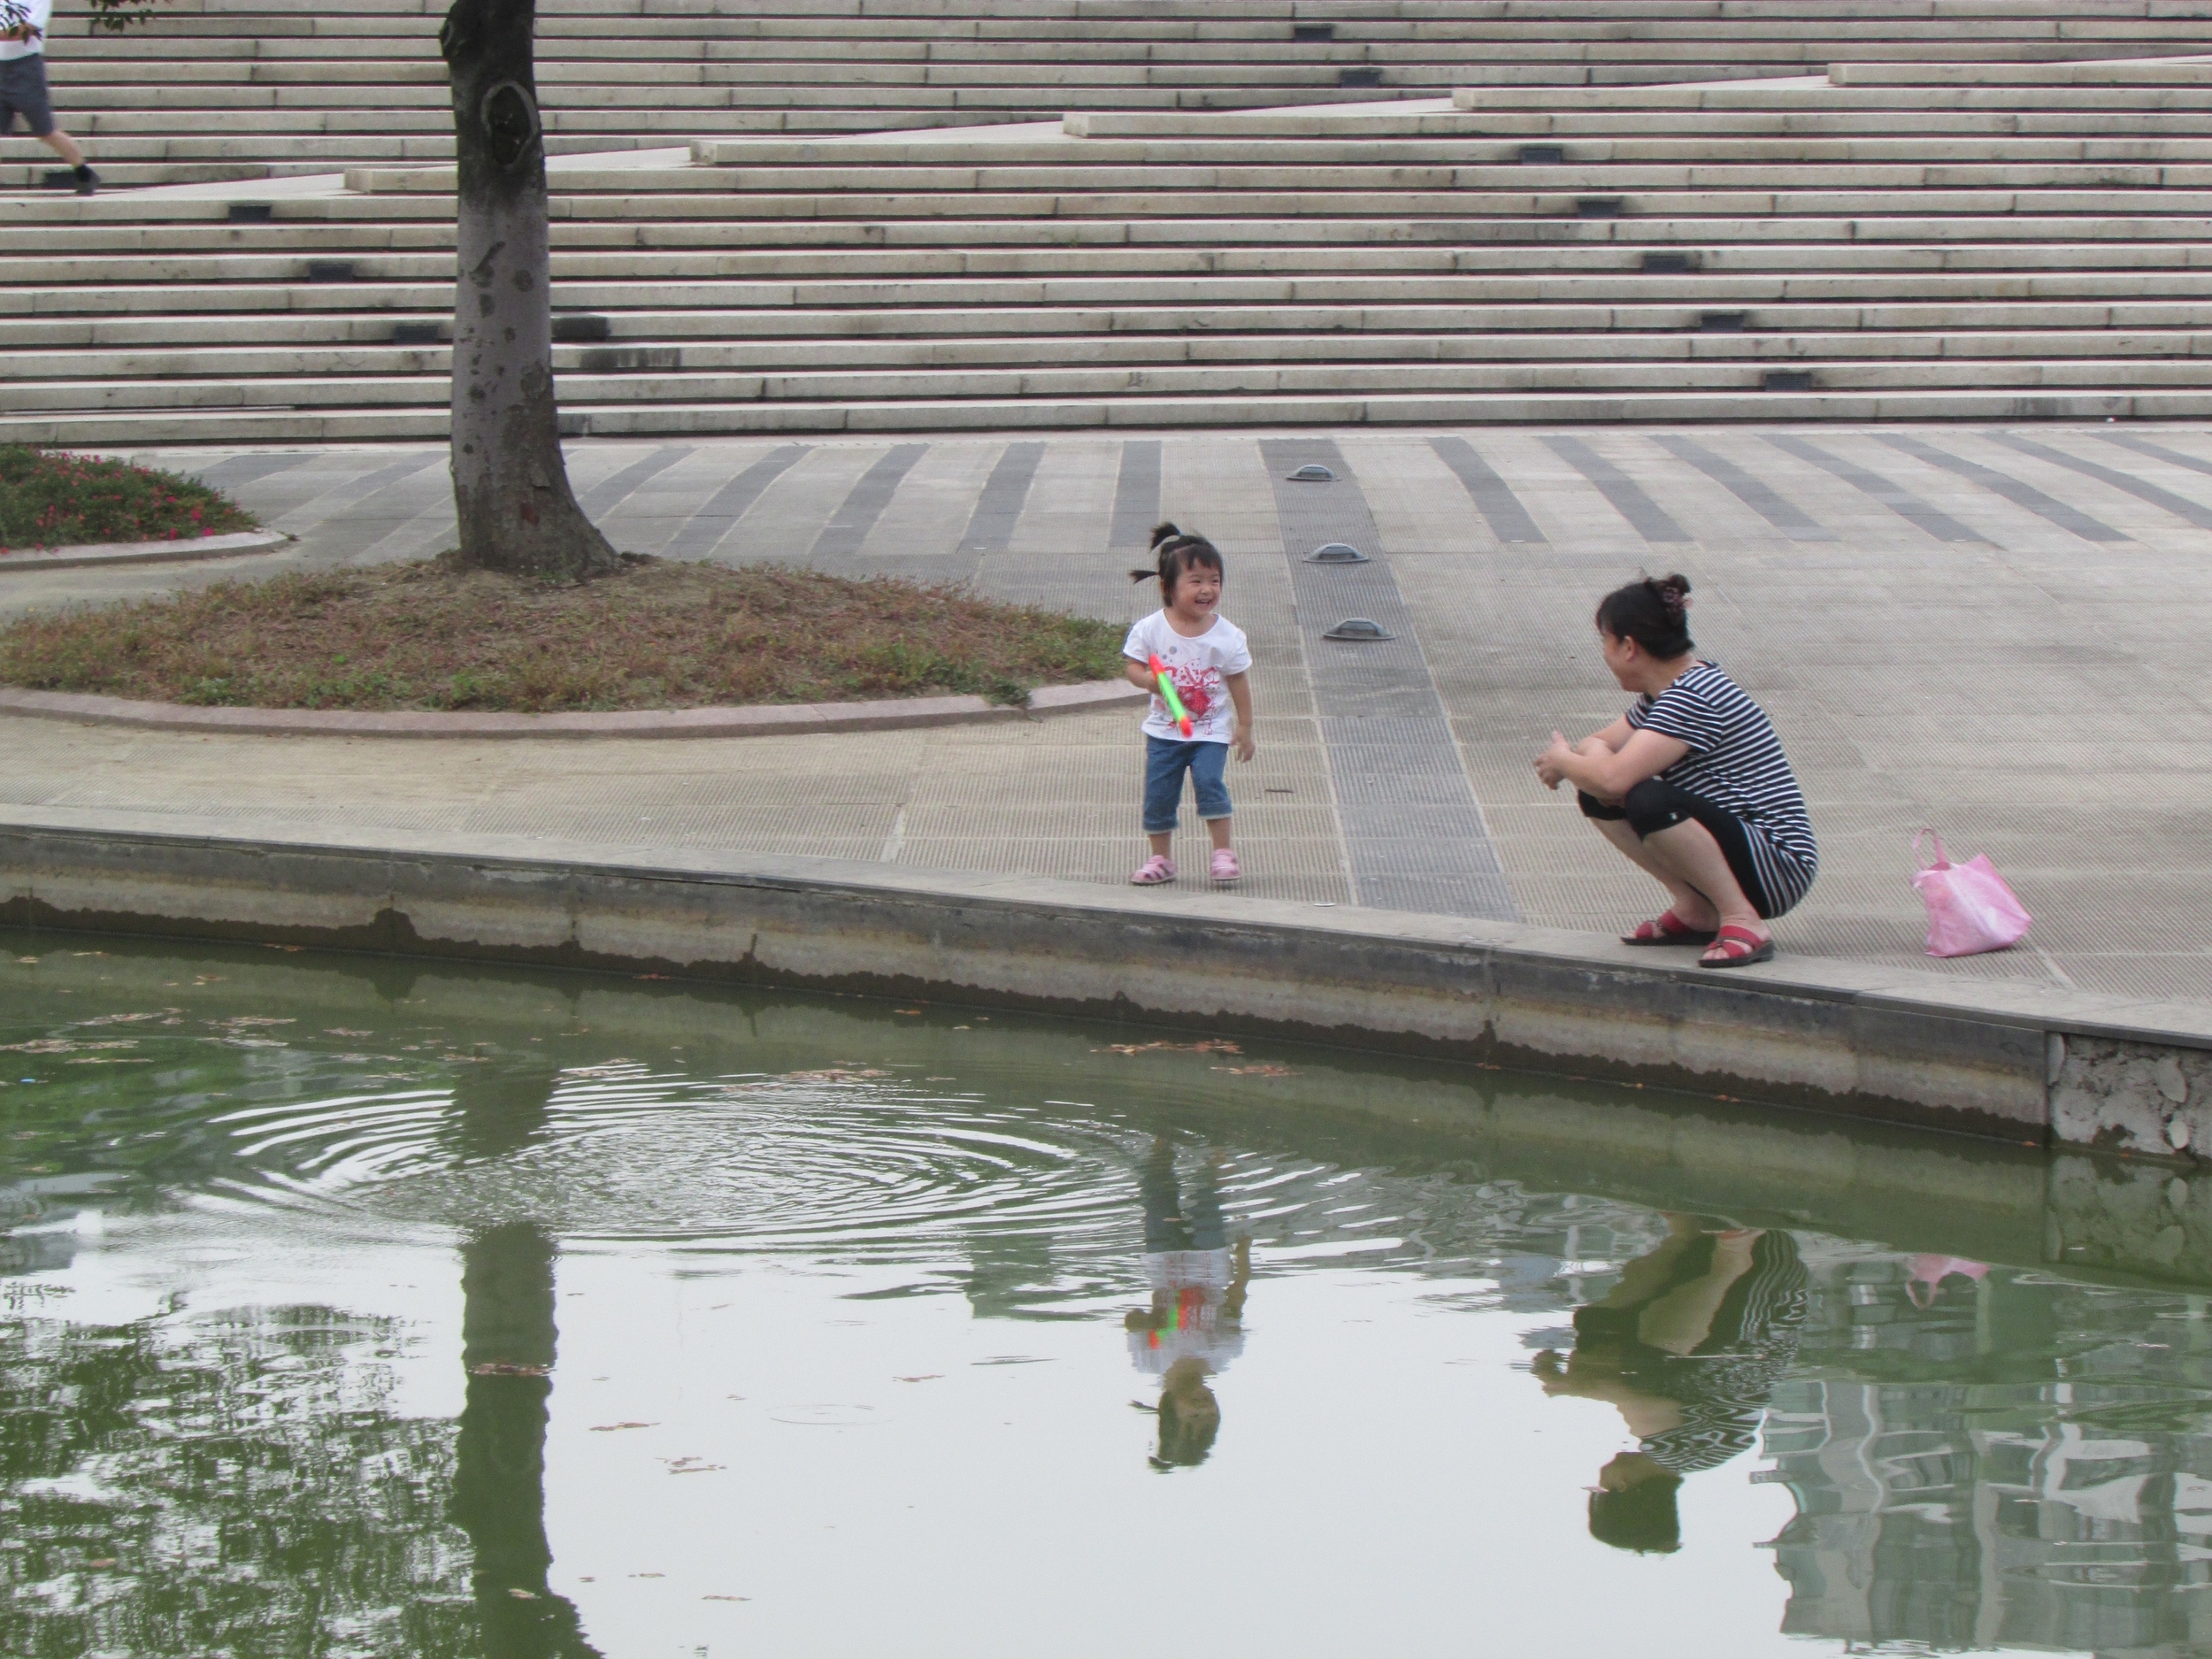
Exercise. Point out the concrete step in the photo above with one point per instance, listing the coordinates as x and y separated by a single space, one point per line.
1207 301
276 250
1140 412
1265 380
235 366
926 271
1196 327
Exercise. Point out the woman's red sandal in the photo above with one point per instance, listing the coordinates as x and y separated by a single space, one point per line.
1668 929
1738 947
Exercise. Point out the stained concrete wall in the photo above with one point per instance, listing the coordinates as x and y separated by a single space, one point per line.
2007 1062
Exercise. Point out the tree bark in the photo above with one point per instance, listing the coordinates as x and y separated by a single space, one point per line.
511 486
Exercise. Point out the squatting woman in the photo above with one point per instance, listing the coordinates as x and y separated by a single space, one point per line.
1691 784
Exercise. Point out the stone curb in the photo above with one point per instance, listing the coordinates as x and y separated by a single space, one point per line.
764 720
2021 1062
158 552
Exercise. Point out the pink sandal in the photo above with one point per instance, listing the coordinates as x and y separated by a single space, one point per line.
1155 871
1735 947
1224 868
1668 929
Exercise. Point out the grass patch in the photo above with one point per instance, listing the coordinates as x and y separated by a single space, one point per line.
658 635
49 499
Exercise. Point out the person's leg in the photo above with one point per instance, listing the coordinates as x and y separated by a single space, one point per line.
1209 766
64 146
1686 853
1691 907
1164 763
1209 763
1695 842
26 94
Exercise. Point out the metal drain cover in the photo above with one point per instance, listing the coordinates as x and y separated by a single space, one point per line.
1312 473
1357 630
1336 553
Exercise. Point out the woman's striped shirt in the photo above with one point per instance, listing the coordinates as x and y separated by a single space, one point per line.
1736 761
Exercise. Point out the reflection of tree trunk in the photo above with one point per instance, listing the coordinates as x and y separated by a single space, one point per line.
510 483
507 1340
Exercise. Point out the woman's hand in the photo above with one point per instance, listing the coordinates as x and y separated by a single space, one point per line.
1551 770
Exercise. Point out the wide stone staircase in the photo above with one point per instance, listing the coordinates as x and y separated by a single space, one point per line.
214 90
1890 241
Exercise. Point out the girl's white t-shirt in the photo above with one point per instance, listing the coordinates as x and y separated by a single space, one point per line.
1199 668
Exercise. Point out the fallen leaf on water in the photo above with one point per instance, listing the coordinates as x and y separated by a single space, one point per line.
689 1466
340 1031
933 1377
1255 1071
507 1368
1211 1045
648 976
649 1575
104 1561
906 1011
726 1598
523 1595
609 1428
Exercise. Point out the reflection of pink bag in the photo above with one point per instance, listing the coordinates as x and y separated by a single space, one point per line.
1930 1272
1971 909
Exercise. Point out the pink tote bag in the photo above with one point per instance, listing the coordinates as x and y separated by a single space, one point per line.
1971 909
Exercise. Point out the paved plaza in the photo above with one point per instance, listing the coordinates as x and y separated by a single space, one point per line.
1994 631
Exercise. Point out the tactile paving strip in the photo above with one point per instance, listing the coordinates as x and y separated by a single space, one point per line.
1651 521
864 505
2181 507
1136 494
2021 494
999 508
1413 832
1756 493
705 530
1492 496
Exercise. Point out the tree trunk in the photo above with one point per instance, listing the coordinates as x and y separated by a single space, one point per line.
507 1342
510 483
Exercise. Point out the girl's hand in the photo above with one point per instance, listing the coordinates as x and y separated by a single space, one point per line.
1550 765
1243 744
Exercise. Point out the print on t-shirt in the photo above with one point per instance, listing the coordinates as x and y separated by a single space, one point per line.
1200 668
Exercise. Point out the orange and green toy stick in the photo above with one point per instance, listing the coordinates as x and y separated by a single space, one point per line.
1167 694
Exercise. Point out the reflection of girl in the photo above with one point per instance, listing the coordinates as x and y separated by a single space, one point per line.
1195 1326
1687 1345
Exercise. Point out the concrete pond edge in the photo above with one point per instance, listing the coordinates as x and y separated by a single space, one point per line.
759 720
2020 1063
164 550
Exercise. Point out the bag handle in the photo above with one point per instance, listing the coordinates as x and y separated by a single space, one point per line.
1942 862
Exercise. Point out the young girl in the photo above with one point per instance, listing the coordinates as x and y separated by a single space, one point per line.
1210 663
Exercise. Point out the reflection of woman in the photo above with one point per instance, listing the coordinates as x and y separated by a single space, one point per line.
1688 1347
1195 1326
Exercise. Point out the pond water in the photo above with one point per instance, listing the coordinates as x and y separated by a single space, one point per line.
361 1308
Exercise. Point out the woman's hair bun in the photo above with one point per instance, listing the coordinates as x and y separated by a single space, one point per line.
1672 592
1166 532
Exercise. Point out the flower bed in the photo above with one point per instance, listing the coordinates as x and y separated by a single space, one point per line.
51 499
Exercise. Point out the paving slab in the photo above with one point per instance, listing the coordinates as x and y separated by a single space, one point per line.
1990 631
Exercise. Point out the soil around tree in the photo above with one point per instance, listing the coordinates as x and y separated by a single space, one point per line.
659 635
48 498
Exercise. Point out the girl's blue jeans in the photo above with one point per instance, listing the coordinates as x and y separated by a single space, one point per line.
1165 760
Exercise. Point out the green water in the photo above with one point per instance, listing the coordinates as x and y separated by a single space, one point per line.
363 1308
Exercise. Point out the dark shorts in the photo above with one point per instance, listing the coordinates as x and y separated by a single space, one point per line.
23 92
1652 806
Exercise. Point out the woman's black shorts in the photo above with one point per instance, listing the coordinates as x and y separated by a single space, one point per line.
1652 806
